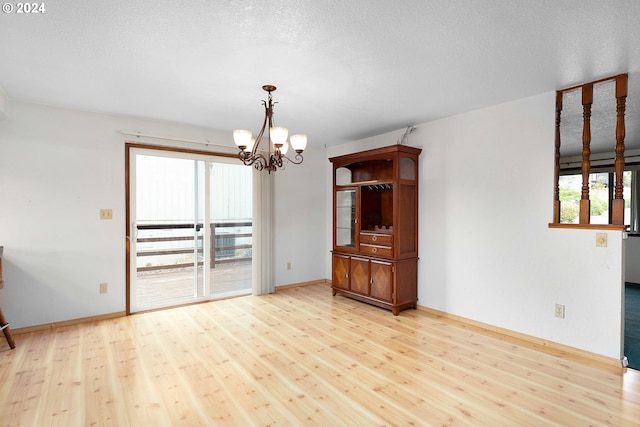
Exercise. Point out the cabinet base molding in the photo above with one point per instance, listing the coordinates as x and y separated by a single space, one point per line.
395 308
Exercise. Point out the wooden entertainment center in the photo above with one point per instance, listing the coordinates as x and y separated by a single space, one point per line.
375 226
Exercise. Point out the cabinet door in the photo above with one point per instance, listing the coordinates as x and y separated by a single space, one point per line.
345 219
381 280
340 271
360 275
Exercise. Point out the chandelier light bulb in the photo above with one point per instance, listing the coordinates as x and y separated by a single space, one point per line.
242 138
299 142
278 135
284 148
250 146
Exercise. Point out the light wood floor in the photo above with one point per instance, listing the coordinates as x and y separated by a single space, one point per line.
299 357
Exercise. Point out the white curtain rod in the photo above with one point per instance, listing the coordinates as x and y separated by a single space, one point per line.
170 138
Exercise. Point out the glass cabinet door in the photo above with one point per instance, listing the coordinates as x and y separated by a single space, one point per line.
346 218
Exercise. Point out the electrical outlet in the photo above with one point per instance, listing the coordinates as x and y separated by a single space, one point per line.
106 214
560 311
104 288
288 266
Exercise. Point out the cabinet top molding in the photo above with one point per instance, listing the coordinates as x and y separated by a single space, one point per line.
376 153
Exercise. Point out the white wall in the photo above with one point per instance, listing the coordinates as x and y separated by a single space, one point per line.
58 168
486 252
300 219
3 104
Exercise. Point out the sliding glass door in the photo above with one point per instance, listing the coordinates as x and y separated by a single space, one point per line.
191 228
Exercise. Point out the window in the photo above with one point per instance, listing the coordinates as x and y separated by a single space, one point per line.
601 185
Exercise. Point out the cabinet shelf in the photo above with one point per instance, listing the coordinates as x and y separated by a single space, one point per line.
372 183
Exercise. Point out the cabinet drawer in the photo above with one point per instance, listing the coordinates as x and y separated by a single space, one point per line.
376 239
376 250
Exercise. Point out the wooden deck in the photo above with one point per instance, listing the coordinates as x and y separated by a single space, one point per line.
168 288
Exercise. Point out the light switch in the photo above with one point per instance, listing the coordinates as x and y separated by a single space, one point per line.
601 240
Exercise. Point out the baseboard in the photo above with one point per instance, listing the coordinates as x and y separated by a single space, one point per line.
529 340
296 285
48 326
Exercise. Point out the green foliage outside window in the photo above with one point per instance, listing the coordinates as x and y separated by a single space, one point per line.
569 194
599 207
599 184
569 213
570 208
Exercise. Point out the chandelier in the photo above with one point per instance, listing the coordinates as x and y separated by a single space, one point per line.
278 145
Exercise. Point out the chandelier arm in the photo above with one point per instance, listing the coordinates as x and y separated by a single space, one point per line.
276 159
298 159
249 160
259 137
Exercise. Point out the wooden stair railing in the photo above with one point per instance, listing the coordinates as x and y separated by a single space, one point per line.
617 205
617 208
585 203
556 180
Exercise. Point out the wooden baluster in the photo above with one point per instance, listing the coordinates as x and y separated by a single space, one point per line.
585 204
556 192
617 208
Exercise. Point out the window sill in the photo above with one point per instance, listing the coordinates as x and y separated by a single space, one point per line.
588 226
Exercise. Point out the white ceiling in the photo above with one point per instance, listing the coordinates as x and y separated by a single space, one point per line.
345 69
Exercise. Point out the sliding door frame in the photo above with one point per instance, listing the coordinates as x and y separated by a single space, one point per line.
129 146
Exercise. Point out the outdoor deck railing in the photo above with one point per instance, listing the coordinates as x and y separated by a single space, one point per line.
223 245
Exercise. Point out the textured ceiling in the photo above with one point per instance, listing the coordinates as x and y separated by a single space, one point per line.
345 69
603 118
